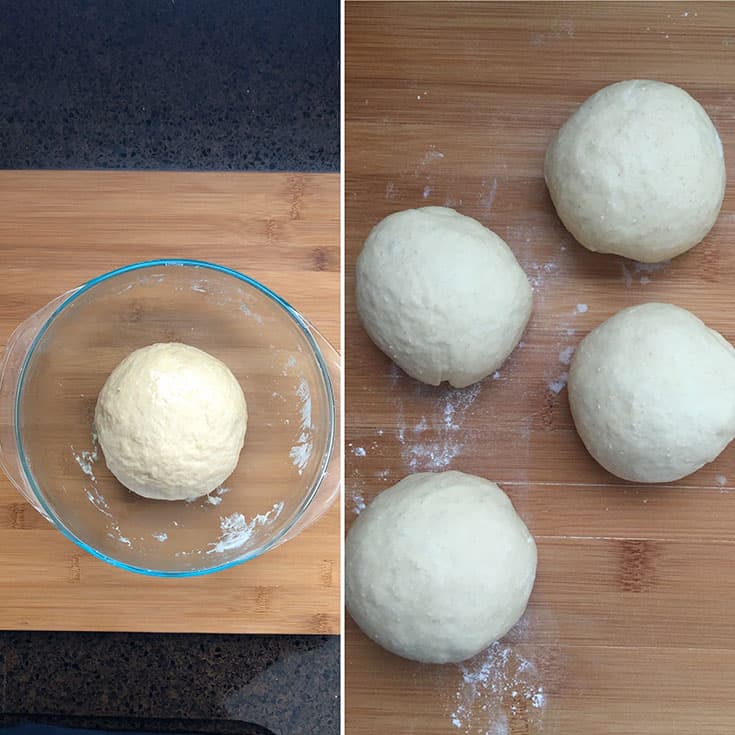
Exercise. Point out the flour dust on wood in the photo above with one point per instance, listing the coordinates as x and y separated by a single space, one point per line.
499 692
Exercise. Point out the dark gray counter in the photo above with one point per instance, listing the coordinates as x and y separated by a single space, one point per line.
171 84
286 684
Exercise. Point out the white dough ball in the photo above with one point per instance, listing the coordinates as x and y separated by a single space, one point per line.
171 422
441 295
638 171
438 567
652 393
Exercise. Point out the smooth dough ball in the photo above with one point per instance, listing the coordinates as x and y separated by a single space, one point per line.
637 171
441 295
171 422
438 567
652 393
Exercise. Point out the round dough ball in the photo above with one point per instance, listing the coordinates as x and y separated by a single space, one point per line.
171 422
637 171
438 567
441 295
652 393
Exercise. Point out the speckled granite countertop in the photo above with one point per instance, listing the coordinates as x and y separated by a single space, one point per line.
172 84
288 685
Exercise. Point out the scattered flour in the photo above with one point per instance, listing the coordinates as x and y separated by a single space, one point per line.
354 488
301 452
565 356
499 693
557 386
721 480
116 534
432 154
557 381
390 191
86 458
98 500
536 272
540 270
431 456
358 503
432 443
160 536
359 451
237 530
214 498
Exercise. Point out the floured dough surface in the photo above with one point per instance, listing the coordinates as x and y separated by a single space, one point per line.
638 170
438 567
171 421
652 393
441 295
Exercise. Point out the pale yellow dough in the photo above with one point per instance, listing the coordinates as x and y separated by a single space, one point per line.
171 422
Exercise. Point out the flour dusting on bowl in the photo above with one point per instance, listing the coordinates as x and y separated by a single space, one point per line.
98 500
237 530
301 451
86 458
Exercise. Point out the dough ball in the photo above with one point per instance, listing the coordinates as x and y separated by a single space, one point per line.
638 171
652 393
441 295
438 567
171 422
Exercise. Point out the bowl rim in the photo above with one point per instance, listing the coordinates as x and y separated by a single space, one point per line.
324 371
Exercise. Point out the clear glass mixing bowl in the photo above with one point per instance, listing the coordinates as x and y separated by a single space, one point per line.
56 362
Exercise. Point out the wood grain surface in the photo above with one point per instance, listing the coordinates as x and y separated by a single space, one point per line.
57 230
629 628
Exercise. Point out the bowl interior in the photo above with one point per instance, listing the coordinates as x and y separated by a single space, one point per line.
289 417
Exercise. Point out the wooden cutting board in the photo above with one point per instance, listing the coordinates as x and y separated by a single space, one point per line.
57 230
630 626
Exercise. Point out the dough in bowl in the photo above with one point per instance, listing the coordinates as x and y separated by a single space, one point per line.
441 295
438 567
652 393
171 420
637 170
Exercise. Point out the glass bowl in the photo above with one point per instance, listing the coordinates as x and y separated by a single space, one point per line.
57 361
